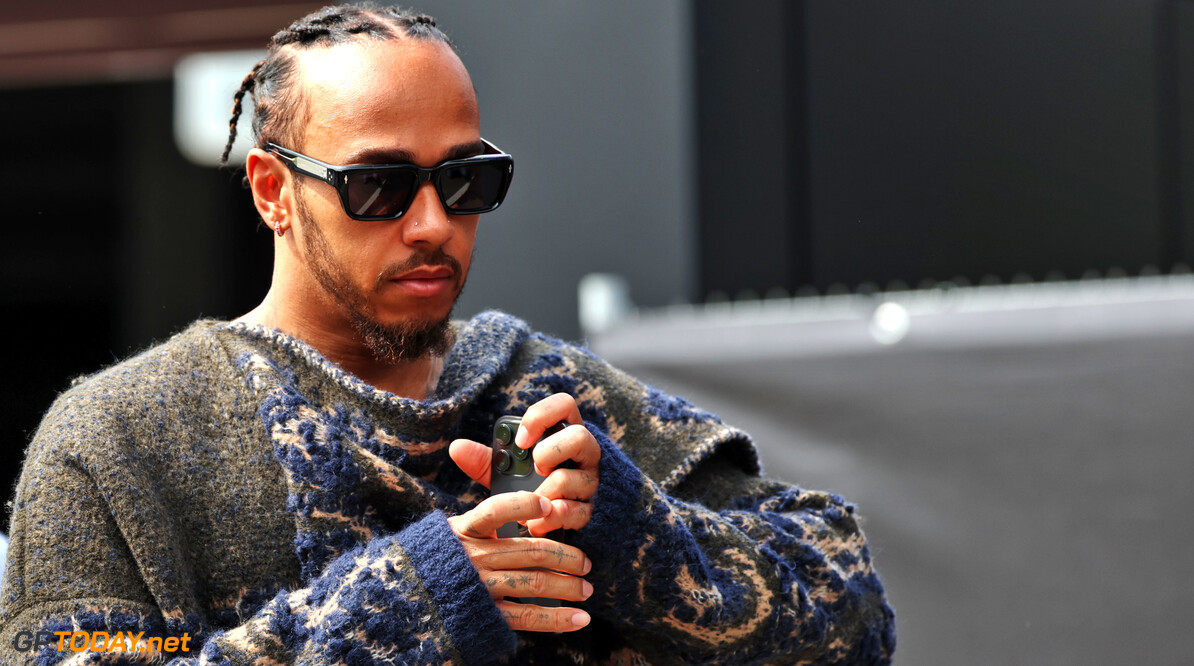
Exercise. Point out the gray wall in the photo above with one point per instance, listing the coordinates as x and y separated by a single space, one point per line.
973 138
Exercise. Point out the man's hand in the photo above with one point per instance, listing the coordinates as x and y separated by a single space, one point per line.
568 489
561 501
510 567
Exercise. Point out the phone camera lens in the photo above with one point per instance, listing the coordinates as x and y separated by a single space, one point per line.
504 434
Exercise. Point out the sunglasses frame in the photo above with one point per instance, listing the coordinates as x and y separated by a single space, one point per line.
337 176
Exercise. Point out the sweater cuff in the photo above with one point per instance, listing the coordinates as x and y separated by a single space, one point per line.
469 614
619 516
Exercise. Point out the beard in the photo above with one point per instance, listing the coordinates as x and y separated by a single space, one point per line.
389 343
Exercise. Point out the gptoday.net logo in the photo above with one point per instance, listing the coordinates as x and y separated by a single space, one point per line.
98 641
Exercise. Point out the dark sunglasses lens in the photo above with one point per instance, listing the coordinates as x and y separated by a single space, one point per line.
381 193
475 187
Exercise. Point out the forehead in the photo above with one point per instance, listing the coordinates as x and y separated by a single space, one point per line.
407 94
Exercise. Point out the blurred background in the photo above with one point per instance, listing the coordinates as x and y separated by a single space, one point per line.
934 256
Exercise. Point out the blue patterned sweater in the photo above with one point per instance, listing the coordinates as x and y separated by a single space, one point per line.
233 486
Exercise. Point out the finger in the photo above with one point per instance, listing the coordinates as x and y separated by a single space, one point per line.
565 514
524 553
573 484
572 443
537 584
473 458
529 617
545 414
483 520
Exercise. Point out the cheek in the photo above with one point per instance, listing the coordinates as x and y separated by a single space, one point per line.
465 240
353 246
322 201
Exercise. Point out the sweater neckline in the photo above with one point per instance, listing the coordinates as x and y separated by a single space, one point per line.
483 349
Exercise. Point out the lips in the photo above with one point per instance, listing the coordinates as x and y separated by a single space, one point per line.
425 281
427 273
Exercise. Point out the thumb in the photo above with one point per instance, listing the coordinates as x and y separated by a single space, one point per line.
473 459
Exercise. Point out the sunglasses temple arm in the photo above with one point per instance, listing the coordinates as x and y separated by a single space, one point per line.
308 167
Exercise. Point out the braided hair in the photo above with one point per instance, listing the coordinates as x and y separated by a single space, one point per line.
277 101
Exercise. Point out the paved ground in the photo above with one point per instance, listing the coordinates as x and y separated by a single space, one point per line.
1028 502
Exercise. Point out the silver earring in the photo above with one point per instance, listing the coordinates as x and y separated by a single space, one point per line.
416 223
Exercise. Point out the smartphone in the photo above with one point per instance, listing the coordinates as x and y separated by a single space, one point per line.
513 469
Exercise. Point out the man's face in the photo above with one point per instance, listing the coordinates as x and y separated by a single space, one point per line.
395 281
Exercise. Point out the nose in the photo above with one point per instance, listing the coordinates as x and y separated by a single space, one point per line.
426 222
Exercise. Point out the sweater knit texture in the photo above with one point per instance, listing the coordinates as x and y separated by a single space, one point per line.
234 486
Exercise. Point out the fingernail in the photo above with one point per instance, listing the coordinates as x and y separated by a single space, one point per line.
544 506
580 618
520 437
588 566
586 588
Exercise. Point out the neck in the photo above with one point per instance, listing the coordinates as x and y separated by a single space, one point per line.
415 378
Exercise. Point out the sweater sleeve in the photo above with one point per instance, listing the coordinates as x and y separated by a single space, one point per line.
412 597
105 537
732 568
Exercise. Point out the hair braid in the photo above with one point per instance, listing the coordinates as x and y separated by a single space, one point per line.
245 86
277 101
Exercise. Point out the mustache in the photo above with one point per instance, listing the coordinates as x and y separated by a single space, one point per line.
435 257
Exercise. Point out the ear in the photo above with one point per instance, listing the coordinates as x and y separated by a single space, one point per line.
273 195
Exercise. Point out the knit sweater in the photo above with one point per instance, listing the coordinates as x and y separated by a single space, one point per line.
235 487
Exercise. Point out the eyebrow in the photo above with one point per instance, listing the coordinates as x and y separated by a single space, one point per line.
401 156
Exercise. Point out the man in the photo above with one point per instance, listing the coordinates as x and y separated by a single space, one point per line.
307 484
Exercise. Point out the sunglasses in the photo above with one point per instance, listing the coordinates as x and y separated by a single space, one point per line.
466 186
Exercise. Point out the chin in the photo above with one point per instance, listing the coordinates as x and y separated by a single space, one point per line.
417 314
406 339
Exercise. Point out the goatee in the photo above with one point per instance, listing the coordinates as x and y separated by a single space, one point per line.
394 343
